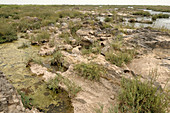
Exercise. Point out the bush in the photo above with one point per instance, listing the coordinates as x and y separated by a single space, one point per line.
57 60
138 97
7 33
94 48
72 88
108 19
69 13
154 17
65 36
119 58
43 36
91 71
142 13
29 23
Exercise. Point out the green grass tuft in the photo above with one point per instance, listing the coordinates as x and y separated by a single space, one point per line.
91 71
138 97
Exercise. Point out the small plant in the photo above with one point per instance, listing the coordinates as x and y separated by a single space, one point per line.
52 42
65 36
100 109
138 97
119 58
26 100
41 37
57 60
91 71
94 48
53 83
108 19
72 88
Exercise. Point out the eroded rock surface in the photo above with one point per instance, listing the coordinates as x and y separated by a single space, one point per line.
10 101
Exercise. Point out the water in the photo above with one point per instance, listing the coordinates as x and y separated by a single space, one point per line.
159 23
13 64
155 12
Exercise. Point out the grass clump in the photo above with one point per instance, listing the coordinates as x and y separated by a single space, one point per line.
154 17
108 19
94 48
138 97
7 33
142 13
91 71
57 61
118 59
72 88
65 36
41 37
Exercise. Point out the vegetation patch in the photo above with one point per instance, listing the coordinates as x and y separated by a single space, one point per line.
65 36
91 71
142 13
138 97
119 58
154 17
40 37
26 100
7 33
72 88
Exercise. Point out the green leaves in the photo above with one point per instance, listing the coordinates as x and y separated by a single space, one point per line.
138 97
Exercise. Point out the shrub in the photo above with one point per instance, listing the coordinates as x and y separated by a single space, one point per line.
154 17
53 83
108 19
57 60
119 58
94 48
138 97
91 71
143 13
28 24
69 13
7 33
72 88
65 36
43 36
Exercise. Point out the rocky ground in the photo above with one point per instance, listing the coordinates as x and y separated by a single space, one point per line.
74 41
152 58
10 100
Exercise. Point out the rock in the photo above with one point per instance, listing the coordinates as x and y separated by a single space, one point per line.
105 50
66 47
46 50
10 101
76 50
39 70
82 32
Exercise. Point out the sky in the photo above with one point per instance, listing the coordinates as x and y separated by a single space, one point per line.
89 2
